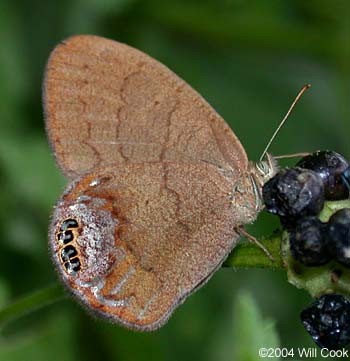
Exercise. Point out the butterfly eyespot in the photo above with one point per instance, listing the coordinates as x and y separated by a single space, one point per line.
68 252
73 266
65 237
75 263
90 248
68 224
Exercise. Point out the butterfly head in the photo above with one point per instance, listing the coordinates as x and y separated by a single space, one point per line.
260 173
264 170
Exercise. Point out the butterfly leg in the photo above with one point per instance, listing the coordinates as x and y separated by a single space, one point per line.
242 232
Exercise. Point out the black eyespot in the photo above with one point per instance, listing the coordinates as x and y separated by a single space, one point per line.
65 237
69 223
68 252
75 264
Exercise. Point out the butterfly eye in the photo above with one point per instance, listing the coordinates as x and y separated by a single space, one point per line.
68 224
68 252
65 237
263 167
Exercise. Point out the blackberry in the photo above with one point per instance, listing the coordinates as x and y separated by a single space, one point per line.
327 320
294 193
307 242
346 177
338 236
331 167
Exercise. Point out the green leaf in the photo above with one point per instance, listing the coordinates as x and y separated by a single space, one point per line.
251 331
52 339
4 292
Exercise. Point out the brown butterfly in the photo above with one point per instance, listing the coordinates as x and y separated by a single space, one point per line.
159 184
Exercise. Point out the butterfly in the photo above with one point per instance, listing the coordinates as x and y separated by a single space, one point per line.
159 185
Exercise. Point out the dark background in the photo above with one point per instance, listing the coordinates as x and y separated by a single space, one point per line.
248 59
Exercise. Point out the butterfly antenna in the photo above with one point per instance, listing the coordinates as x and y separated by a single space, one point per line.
302 91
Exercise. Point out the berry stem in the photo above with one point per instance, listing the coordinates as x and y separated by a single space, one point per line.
31 303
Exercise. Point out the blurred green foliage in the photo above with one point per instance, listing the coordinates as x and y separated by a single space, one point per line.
250 331
249 59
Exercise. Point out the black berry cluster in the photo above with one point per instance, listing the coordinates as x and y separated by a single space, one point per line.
338 236
328 321
331 167
314 243
297 196
307 242
293 194
302 190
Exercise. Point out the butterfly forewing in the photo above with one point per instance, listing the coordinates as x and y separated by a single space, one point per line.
107 103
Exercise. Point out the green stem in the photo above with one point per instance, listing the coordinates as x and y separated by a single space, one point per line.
245 255
31 303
